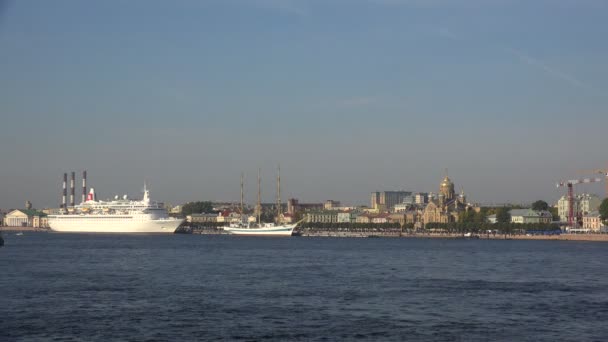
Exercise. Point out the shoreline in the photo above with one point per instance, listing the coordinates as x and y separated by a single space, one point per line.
593 237
326 233
23 229
562 237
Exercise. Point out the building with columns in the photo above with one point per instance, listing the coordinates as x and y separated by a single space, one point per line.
26 218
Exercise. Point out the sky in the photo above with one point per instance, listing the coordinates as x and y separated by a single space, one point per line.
348 96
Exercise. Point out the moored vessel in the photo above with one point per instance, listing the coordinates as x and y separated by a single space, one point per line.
259 228
121 215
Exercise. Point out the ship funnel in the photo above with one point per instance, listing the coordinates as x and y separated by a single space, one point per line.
91 196
72 188
84 186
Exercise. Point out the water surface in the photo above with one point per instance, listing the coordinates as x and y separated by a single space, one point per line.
71 287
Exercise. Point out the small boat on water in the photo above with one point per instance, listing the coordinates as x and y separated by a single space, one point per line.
19 234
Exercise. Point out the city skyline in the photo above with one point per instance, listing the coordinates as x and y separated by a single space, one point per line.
350 97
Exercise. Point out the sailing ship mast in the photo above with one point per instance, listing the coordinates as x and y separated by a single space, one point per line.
242 182
279 194
259 206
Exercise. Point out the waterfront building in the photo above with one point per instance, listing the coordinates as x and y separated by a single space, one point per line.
592 221
413 216
530 216
402 207
364 218
421 198
26 218
293 206
380 218
321 216
583 205
386 200
397 218
347 216
447 207
330 204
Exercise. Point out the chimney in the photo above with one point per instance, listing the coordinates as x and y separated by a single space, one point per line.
65 191
84 186
72 188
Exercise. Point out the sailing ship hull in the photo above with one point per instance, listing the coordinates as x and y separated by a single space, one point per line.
286 230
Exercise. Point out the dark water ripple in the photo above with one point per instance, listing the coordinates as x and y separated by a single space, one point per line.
63 287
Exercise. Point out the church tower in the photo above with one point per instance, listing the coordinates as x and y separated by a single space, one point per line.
447 188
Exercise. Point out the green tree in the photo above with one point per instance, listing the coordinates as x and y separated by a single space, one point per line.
502 215
554 212
467 216
480 217
540 205
604 210
197 208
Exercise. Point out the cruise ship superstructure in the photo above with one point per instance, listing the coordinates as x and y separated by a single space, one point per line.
121 215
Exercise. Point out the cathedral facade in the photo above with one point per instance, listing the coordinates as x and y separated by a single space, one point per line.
447 207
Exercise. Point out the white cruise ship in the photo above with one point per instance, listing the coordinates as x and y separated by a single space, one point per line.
117 216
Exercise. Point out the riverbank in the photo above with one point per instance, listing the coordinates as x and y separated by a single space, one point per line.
388 234
562 237
23 229
397 234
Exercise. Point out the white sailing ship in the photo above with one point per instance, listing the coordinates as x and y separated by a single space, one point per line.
259 228
122 215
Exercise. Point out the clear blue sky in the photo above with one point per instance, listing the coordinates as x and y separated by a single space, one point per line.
350 96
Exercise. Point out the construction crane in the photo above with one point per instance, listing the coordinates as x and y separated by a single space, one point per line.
570 185
603 172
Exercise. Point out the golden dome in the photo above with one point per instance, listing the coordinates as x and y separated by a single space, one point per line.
446 182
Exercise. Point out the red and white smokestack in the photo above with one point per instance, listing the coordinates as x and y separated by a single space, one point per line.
84 186
72 188
65 191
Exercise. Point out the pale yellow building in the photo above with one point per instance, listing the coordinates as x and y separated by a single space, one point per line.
592 221
26 218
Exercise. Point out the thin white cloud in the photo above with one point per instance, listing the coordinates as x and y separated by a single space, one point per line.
556 73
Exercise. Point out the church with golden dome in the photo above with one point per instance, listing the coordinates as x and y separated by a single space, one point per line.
447 207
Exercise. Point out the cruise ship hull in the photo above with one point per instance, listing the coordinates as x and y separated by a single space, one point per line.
286 230
64 223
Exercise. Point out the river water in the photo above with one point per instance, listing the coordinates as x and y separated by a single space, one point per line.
71 287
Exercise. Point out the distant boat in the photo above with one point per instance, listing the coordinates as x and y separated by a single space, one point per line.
260 228
470 236
19 234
